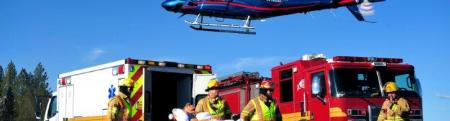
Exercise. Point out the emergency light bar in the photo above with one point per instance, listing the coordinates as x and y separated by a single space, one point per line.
64 81
313 56
240 78
118 70
167 64
367 59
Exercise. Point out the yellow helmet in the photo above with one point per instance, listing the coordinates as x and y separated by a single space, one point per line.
212 84
126 82
390 87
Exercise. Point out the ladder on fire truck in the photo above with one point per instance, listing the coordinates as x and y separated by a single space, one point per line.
240 78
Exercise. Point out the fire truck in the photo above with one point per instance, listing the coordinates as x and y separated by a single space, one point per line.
342 88
159 86
238 88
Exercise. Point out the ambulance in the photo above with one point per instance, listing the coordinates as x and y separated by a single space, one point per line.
159 86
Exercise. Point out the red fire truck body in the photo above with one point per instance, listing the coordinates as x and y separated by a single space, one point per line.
237 89
344 88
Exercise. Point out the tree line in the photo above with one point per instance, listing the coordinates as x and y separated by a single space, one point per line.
20 91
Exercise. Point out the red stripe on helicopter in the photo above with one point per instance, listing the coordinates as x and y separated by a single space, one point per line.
258 8
188 7
346 2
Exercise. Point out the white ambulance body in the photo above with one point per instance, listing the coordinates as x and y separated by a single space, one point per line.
159 86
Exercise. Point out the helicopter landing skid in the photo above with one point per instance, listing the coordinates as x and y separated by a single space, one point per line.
198 24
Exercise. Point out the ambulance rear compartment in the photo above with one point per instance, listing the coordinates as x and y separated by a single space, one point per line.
165 89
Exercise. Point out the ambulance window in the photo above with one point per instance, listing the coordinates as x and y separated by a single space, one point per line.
52 110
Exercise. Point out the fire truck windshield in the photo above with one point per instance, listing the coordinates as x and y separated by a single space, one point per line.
365 82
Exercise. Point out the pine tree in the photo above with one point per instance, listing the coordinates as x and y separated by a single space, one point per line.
26 106
22 82
1 81
10 76
20 92
24 96
40 84
7 111
40 80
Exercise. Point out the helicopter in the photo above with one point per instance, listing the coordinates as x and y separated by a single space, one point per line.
248 10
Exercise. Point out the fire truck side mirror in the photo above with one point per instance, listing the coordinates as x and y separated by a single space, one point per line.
316 83
417 81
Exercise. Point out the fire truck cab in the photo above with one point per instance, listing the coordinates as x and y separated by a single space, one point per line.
344 88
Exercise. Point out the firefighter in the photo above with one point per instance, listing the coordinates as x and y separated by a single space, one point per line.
394 108
213 103
119 107
262 107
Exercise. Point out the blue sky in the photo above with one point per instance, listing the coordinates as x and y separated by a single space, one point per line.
73 34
